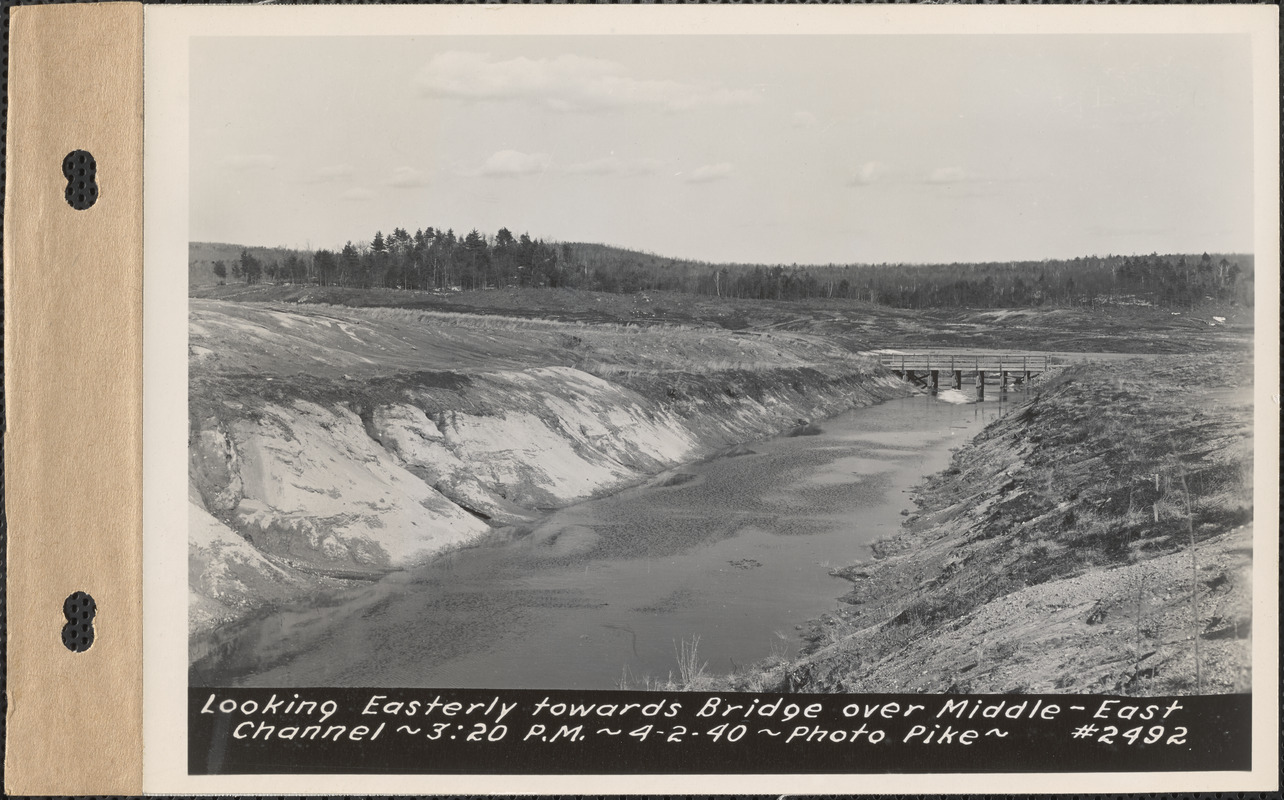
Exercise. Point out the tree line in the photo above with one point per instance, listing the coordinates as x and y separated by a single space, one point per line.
428 259
1162 280
1168 281
435 259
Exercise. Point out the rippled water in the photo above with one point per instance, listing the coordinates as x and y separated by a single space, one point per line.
736 550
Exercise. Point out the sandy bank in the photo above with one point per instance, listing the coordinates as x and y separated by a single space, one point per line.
304 475
1055 554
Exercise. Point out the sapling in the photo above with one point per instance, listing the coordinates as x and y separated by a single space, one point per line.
1194 576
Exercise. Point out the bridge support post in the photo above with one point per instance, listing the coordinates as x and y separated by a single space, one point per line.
1004 384
1027 377
980 384
958 379
935 378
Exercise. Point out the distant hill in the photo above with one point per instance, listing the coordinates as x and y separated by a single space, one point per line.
430 261
594 253
202 255
597 253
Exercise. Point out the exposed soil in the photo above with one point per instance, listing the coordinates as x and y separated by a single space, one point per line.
1054 555
858 325
335 443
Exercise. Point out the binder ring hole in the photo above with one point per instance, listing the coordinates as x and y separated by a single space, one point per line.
78 634
80 170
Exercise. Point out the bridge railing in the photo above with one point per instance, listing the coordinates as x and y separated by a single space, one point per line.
926 362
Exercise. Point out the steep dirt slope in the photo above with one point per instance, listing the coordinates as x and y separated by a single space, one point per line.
1056 552
329 444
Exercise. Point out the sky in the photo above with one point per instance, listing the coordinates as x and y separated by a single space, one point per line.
777 149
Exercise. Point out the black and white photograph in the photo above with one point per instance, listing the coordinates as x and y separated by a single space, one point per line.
754 365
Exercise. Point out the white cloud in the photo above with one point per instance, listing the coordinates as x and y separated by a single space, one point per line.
950 175
614 165
407 178
565 83
804 119
872 172
357 193
868 173
247 162
335 173
513 163
710 172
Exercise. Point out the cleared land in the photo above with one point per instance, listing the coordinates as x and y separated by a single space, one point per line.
283 338
1048 558
856 325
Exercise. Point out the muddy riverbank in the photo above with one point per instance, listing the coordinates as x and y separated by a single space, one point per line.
361 465
1093 542
735 552
1052 554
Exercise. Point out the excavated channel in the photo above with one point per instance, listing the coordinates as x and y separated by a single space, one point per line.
736 551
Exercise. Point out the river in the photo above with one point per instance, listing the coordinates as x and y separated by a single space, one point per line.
736 550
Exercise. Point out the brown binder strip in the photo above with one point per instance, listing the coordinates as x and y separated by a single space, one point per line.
73 379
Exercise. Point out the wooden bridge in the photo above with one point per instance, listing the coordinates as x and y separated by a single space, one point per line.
927 367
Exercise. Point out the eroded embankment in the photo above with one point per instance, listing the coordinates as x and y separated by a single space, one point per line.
1055 554
299 483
